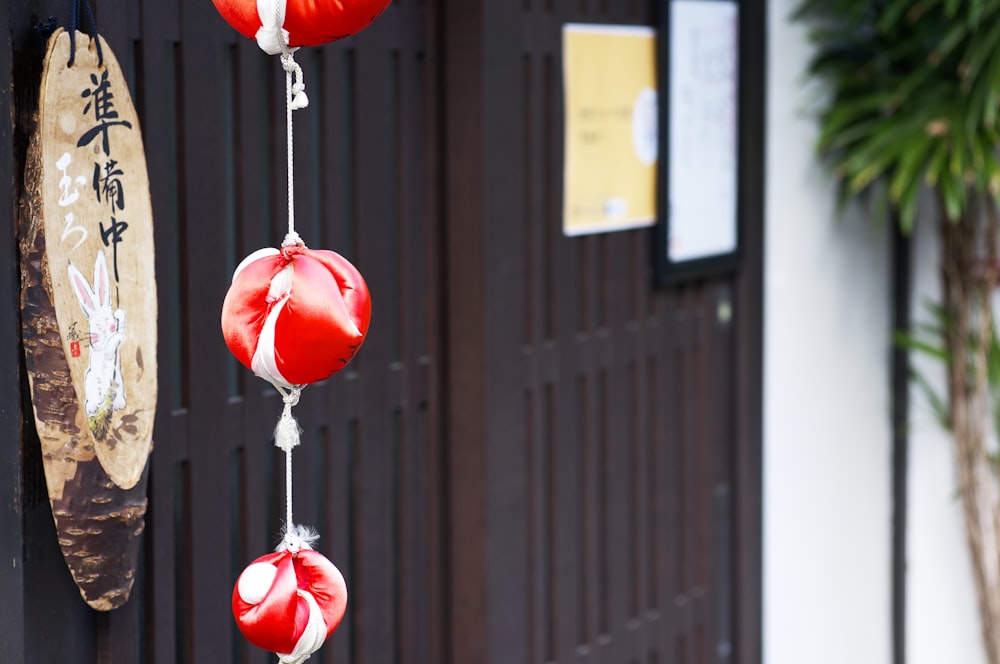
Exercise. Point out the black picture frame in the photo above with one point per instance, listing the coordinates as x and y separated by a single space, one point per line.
672 268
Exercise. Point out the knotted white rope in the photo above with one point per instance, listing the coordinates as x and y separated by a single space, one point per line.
273 40
295 99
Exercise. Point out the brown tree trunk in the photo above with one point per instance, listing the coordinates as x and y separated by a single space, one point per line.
968 279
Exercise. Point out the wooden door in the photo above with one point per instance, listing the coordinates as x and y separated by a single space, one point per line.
604 440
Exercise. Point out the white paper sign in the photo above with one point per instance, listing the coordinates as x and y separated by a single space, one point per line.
703 120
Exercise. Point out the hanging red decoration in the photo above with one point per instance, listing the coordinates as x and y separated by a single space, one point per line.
289 603
295 316
308 22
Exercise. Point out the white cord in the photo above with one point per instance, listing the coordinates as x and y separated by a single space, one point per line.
288 488
273 39
295 99
287 437
287 433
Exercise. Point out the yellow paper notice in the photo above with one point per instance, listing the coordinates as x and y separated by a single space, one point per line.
609 73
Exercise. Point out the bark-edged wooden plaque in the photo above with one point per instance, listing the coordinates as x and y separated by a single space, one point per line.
88 300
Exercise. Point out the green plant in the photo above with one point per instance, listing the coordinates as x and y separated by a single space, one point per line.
912 106
914 98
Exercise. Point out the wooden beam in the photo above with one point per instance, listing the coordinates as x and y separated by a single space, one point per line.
12 645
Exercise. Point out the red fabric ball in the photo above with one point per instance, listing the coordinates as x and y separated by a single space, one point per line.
309 22
281 618
296 316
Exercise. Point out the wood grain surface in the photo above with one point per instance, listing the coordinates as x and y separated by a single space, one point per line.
89 313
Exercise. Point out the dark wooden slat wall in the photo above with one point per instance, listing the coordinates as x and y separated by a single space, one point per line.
534 459
12 553
598 442
367 475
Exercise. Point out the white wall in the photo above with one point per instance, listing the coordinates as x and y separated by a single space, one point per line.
826 401
827 473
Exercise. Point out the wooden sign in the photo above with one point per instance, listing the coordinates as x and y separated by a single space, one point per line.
88 303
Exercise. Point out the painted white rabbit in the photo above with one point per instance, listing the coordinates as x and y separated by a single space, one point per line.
103 384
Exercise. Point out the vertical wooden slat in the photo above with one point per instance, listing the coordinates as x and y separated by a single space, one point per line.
533 308
204 280
183 554
603 509
339 149
12 573
534 319
411 496
341 451
413 637
465 332
618 559
431 348
586 575
682 479
398 487
562 325
159 110
635 496
155 106
396 257
112 22
549 585
724 435
538 405
119 639
701 589
546 177
748 475
502 272
308 172
536 609
375 568
655 512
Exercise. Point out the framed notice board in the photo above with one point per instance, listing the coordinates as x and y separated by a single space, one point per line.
698 228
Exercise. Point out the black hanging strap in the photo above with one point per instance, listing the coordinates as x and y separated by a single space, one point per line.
74 25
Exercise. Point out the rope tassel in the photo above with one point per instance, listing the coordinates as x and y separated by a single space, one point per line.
287 433
287 436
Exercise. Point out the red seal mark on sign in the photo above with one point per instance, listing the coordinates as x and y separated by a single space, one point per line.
74 348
